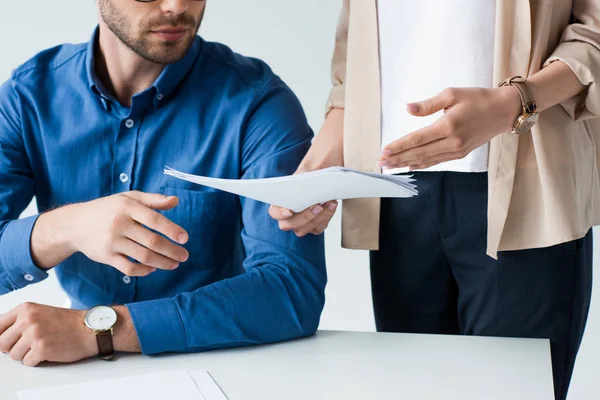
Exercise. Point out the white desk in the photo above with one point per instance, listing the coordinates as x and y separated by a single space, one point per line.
336 365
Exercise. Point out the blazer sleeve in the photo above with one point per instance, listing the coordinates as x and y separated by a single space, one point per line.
338 63
579 48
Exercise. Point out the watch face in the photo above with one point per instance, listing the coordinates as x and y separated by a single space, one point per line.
101 318
524 124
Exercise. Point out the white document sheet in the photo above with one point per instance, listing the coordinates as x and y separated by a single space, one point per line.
184 385
298 192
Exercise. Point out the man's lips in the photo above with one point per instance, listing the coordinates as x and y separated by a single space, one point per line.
171 34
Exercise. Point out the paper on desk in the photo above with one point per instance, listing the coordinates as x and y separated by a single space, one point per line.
185 385
298 192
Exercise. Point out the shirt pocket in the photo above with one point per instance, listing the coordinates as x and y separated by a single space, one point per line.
210 219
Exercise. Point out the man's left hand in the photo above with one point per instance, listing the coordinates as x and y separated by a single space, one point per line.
34 333
472 117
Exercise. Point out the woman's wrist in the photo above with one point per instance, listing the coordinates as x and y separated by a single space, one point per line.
511 104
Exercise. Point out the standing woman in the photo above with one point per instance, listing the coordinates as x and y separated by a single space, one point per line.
496 105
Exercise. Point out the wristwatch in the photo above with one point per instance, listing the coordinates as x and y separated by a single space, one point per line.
529 117
101 320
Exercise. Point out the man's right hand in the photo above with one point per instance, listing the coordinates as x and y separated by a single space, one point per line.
113 230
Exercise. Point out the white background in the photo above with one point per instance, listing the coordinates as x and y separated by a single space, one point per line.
296 39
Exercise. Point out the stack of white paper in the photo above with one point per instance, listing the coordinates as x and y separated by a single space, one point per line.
186 385
298 192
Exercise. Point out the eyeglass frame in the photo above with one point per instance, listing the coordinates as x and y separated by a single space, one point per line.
152 1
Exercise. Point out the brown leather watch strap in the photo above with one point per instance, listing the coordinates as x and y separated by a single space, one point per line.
106 350
527 100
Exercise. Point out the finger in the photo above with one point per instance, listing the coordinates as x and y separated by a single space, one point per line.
32 359
156 243
301 219
331 206
436 160
279 214
155 201
432 105
419 155
9 338
159 223
19 350
129 268
421 137
7 320
144 255
320 229
318 225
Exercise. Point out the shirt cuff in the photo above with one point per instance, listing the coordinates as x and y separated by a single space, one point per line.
579 59
15 253
158 326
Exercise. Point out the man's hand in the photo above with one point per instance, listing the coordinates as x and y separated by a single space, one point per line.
472 118
326 151
111 230
34 333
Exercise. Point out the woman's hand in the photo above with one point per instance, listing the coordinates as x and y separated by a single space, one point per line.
326 151
472 117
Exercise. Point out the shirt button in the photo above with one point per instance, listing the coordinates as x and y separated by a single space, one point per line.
126 280
129 123
159 96
28 278
123 177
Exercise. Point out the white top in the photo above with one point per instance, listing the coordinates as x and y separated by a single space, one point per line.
334 365
425 47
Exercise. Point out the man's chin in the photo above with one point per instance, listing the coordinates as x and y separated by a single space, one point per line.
168 52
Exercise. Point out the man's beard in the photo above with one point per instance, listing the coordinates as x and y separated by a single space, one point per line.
163 52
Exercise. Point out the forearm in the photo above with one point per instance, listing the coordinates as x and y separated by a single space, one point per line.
267 305
125 338
554 84
327 149
50 240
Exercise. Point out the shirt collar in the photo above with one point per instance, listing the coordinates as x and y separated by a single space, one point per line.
175 73
165 85
93 81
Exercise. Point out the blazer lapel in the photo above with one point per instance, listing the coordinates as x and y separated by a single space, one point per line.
511 57
362 126
513 39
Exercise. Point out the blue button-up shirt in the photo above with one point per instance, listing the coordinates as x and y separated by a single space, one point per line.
64 139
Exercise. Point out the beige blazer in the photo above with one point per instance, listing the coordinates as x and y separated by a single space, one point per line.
544 186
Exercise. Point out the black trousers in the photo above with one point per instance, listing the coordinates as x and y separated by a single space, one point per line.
432 274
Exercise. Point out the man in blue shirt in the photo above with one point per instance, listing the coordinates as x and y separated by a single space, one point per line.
87 129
